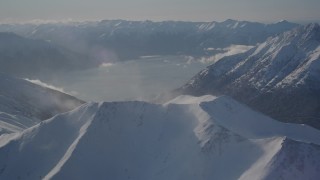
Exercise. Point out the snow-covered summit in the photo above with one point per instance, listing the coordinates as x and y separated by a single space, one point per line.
186 138
243 121
279 77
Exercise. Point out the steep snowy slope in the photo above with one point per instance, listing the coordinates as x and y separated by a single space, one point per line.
120 39
186 138
280 77
24 104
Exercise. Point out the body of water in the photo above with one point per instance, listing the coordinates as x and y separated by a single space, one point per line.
138 79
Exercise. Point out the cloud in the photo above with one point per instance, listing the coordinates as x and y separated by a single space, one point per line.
229 51
106 64
43 84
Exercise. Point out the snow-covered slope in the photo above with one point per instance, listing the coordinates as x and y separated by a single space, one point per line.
187 138
112 39
24 104
279 77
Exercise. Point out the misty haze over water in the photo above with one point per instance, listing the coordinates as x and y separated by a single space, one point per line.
130 80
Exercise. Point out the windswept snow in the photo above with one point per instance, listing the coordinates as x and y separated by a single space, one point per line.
187 138
251 124
24 104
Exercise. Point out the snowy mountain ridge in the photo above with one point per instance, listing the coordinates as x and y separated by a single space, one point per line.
24 104
304 43
30 29
123 40
186 138
279 77
252 125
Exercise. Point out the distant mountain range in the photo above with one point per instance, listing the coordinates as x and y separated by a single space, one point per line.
111 40
24 104
280 77
37 58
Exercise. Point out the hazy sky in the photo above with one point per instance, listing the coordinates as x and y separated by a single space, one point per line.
158 10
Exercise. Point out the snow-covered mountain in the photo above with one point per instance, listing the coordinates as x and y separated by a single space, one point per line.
37 58
187 138
24 104
109 40
280 77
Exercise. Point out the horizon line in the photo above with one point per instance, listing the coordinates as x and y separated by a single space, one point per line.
70 20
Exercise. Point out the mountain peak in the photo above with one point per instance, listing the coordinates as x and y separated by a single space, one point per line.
141 140
305 37
230 20
283 21
269 75
313 26
312 30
